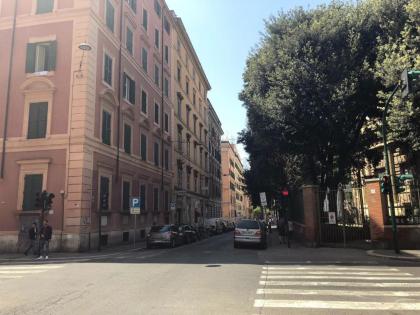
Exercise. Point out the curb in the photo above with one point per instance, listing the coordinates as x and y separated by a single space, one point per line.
396 257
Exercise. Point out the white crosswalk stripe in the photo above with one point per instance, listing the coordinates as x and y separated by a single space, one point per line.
17 272
337 288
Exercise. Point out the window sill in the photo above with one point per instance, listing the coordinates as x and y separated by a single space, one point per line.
40 74
21 212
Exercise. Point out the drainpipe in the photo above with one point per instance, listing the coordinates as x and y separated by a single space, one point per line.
162 115
9 79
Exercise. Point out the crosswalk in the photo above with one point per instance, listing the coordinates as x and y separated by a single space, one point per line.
334 287
8 272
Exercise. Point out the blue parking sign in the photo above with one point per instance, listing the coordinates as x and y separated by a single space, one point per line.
135 205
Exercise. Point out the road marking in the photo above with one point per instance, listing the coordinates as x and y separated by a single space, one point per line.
357 293
364 273
328 277
30 267
347 305
341 284
329 268
20 271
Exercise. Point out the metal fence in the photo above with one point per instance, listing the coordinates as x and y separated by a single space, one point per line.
344 216
407 206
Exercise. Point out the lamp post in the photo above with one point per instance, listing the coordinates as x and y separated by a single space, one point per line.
62 219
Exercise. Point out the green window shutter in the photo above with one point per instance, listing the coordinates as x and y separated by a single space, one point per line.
51 56
127 139
32 185
129 40
106 128
44 6
126 196
110 12
143 147
132 96
37 124
145 19
143 102
30 57
125 85
108 70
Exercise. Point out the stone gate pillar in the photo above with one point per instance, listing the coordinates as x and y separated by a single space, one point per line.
311 214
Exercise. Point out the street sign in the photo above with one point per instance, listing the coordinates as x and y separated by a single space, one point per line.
331 218
263 199
135 205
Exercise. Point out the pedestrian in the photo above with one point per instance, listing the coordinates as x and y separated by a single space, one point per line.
290 226
281 226
45 237
33 235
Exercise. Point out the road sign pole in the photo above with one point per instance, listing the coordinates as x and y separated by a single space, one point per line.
135 229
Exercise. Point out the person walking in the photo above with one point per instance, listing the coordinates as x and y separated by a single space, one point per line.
33 235
45 237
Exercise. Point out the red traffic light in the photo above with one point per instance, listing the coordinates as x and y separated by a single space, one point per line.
285 192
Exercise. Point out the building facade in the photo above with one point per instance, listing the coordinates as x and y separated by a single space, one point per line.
235 202
215 164
190 129
87 114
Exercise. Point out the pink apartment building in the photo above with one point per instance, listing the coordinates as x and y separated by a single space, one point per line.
90 123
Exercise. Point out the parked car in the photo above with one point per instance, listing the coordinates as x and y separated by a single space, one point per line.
250 232
190 234
168 235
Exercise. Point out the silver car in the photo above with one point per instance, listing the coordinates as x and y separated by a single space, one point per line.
168 235
250 232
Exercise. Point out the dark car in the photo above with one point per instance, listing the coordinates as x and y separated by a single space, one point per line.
168 235
190 234
250 232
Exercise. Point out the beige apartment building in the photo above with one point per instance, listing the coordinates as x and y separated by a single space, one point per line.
235 202
190 129
87 97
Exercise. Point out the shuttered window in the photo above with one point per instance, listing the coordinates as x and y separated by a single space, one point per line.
144 102
129 89
157 75
129 40
32 186
157 36
156 113
44 6
158 8
127 138
166 122
166 54
166 87
143 147
133 4
145 19
109 15
41 56
37 124
106 127
126 196
108 69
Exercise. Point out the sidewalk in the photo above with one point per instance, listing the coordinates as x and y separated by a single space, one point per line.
409 255
75 256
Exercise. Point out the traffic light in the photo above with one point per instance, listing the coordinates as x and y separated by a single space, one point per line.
104 201
410 82
49 201
385 185
38 201
400 182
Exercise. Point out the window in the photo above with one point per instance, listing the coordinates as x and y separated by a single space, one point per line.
145 19
157 35
32 185
144 59
188 179
143 147
178 73
143 102
133 4
108 69
158 8
37 124
166 160
129 89
166 54
44 6
109 16
194 97
126 195
156 113
166 87
127 138
143 198
155 199
104 193
180 176
129 40
157 75
166 122
156 153
179 99
166 25
188 116
41 56
187 85
106 127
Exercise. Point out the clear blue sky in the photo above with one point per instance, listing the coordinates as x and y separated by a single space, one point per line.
223 32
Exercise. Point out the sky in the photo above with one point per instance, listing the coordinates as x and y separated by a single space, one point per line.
223 33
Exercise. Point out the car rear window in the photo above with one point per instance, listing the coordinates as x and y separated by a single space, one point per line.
160 228
248 224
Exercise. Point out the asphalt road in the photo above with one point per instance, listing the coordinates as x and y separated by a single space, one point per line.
211 277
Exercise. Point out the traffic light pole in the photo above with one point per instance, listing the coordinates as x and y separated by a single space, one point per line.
387 171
